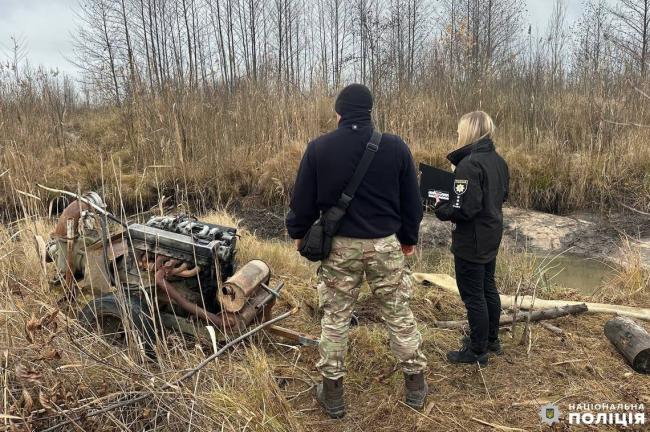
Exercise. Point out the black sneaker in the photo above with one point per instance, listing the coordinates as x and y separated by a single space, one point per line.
466 355
493 347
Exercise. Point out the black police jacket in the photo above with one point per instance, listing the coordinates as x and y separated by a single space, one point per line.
387 200
481 187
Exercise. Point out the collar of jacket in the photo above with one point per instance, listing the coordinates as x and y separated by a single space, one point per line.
483 146
355 121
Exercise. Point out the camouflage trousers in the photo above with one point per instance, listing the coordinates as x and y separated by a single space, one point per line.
340 278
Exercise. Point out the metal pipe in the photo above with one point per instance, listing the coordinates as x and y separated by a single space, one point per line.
224 321
173 294
272 294
188 273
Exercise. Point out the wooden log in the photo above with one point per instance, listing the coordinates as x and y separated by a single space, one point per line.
538 315
448 284
632 340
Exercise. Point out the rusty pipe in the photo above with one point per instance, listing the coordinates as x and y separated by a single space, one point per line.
223 321
188 273
72 211
159 262
184 271
173 294
181 268
170 263
171 269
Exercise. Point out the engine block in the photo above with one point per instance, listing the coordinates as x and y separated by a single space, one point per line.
188 240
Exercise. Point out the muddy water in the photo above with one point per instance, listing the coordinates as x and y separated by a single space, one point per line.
584 275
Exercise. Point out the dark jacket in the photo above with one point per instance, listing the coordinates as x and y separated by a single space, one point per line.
387 201
482 179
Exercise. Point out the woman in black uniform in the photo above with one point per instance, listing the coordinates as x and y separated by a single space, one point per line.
480 188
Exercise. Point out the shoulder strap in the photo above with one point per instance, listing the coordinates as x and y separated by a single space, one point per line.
360 172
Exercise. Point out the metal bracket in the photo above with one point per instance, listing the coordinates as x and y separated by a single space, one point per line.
275 292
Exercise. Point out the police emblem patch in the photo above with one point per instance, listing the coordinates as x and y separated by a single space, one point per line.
460 187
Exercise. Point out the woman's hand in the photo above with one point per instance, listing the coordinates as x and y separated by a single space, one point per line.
408 250
436 196
298 243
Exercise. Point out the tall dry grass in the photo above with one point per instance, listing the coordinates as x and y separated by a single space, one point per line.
566 150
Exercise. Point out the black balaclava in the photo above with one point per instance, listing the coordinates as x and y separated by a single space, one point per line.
354 103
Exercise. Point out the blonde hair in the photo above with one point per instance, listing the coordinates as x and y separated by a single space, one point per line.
473 127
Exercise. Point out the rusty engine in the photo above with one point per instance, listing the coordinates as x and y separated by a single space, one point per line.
192 264
172 270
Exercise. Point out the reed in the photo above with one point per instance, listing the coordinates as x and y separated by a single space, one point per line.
566 152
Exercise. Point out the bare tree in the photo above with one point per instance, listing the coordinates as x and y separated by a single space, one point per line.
97 46
480 36
632 34
592 50
557 38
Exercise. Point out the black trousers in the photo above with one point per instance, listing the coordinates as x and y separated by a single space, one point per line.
479 293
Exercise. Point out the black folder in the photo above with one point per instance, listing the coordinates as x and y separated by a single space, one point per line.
434 180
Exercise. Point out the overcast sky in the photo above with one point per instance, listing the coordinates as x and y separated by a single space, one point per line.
45 26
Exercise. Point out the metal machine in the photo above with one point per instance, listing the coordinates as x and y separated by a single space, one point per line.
172 272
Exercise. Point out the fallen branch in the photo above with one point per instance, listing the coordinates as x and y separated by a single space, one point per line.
508 319
176 384
552 328
97 208
635 210
568 362
448 284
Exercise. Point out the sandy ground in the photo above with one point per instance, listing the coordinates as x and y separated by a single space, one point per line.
581 234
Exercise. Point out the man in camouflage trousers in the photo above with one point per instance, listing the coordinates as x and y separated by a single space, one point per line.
378 230
341 275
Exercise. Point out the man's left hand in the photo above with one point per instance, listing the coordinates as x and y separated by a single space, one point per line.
408 250
298 243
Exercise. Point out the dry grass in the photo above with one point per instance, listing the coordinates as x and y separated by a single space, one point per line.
51 364
631 278
208 151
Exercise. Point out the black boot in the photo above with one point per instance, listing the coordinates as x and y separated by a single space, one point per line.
416 390
493 346
467 355
330 395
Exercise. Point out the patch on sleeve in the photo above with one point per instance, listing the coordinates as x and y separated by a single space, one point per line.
457 202
460 187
